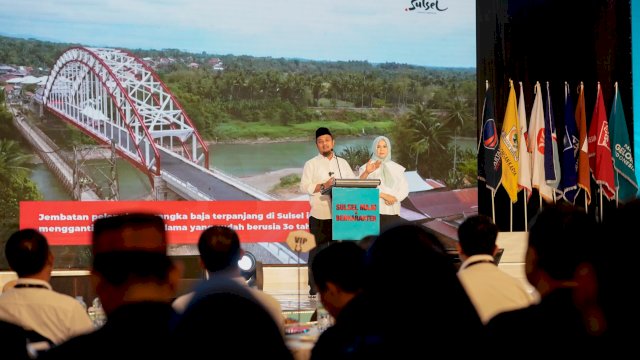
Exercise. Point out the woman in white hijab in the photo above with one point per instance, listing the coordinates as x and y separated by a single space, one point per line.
393 184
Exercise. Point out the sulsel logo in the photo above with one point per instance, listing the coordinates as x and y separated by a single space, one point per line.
424 6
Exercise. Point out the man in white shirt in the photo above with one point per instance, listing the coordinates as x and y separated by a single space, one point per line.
32 303
318 176
220 251
491 290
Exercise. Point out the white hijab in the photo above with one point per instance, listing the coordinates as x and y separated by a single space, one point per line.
387 175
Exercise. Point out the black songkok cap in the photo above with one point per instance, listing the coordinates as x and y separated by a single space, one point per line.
322 131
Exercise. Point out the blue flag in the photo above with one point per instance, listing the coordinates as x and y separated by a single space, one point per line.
570 143
551 157
489 160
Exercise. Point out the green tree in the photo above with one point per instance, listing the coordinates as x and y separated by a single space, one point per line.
422 143
16 185
356 155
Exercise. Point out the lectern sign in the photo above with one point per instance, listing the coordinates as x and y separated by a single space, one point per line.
355 213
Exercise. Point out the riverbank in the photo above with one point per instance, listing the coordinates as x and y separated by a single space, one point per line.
262 140
269 180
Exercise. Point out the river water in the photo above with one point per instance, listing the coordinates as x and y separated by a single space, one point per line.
239 160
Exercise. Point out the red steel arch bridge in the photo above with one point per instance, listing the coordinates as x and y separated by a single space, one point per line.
114 97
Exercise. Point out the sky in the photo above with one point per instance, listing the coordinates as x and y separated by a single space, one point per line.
376 31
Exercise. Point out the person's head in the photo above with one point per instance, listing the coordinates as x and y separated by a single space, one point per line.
28 254
561 238
366 241
477 235
130 262
219 248
381 148
338 271
324 141
409 256
406 249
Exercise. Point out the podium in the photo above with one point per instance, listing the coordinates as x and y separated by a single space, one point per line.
354 208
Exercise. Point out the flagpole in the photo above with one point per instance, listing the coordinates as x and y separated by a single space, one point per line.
540 198
615 172
493 205
510 216
526 226
601 212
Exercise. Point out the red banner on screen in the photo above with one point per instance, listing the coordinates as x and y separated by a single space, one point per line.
70 222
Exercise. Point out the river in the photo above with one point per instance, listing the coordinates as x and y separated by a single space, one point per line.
239 160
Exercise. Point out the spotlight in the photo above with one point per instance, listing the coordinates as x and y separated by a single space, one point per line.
247 265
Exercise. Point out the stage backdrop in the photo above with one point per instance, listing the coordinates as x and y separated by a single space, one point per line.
232 89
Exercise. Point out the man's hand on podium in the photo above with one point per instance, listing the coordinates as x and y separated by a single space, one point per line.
327 184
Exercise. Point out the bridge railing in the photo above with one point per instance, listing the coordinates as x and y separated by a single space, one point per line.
190 190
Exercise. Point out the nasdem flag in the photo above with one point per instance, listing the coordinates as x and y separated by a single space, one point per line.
489 162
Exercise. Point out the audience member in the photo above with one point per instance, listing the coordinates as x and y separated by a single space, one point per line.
491 290
411 294
14 342
559 264
136 282
32 303
413 259
9 285
220 252
339 275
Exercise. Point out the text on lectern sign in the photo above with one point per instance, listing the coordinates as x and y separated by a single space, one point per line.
355 213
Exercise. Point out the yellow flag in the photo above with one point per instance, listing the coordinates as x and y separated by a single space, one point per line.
509 142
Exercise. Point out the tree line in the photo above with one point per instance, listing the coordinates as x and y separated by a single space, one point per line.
423 109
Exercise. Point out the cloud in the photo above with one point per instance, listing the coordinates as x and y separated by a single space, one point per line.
378 30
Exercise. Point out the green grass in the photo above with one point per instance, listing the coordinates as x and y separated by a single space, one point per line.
236 130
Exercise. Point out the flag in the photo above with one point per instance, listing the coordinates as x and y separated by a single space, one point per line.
524 166
570 142
625 179
489 162
600 160
536 146
584 182
551 157
509 139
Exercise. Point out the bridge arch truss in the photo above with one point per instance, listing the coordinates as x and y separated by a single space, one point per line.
116 98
